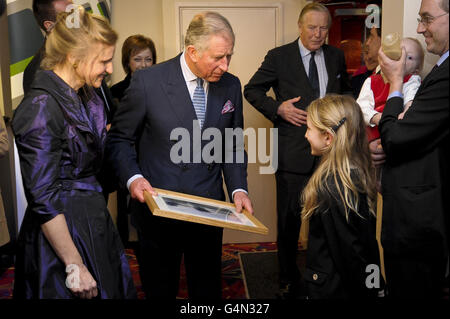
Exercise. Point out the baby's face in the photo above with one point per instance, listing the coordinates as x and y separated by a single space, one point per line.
413 57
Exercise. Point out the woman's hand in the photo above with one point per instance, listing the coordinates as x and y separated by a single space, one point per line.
80 281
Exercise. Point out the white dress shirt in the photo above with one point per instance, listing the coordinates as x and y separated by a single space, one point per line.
366 100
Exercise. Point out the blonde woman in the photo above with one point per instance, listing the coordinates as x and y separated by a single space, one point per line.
339 203
68 246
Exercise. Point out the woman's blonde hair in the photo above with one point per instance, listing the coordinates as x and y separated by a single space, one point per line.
348 154
75 32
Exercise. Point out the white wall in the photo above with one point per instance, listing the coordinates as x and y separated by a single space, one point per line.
401 16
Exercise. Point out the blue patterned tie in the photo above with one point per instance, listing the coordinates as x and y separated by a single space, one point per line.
199 102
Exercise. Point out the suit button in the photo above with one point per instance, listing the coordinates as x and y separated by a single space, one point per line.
315 277
185 167
210 167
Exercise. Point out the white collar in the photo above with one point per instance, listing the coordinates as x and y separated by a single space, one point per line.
187 73
304 51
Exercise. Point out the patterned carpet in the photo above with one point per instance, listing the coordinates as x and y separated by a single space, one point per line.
232 283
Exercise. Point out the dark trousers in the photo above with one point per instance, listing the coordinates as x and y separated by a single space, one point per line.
289 189
163 242
414 278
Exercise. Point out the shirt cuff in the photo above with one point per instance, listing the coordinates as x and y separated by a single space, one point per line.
395 94
237 190
132 179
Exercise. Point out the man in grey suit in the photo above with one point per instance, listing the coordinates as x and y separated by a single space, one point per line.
298 73
160 100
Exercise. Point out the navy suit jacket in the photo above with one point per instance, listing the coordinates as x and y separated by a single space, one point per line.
283 70
158 102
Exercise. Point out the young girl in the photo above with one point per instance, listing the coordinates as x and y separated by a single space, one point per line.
339 202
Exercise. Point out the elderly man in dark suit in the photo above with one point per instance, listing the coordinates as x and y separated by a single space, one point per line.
416 175
298 72
194 92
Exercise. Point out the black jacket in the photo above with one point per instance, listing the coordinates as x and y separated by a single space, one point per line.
339 251
416 176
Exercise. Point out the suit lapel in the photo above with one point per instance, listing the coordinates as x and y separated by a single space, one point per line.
296 61
178 95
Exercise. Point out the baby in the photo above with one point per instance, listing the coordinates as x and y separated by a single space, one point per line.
375 91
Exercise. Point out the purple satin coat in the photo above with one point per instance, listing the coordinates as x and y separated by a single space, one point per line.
60 138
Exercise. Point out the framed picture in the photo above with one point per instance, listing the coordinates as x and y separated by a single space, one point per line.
202 210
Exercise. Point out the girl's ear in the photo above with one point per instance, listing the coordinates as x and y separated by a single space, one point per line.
328 138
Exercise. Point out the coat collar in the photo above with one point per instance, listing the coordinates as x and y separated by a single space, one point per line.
84 109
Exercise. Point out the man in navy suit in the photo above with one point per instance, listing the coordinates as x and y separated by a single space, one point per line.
298 73
416 176
160 100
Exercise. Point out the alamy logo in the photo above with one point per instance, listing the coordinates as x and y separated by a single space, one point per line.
225 149
73 19
373 19
73 276
373 279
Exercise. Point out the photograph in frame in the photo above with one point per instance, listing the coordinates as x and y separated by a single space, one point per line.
202 210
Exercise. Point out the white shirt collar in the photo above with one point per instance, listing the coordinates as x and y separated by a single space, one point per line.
442 58
187 73
304 51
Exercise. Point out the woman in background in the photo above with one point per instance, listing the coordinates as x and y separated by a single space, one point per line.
68 246
138 52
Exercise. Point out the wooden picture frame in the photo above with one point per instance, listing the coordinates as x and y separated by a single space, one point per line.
202 210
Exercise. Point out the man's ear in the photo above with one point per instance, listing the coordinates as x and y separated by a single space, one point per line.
192 52
48 25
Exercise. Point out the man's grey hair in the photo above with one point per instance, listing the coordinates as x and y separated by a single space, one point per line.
203 26
444 5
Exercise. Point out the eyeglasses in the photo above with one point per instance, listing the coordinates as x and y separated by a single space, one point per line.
427 20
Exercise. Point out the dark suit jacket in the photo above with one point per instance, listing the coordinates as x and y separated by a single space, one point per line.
118 89
32 68
283 70
156 103
416 179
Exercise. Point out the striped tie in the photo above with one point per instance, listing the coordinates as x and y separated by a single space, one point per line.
199 102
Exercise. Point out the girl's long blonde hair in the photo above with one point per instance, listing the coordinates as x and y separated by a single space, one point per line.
348 154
